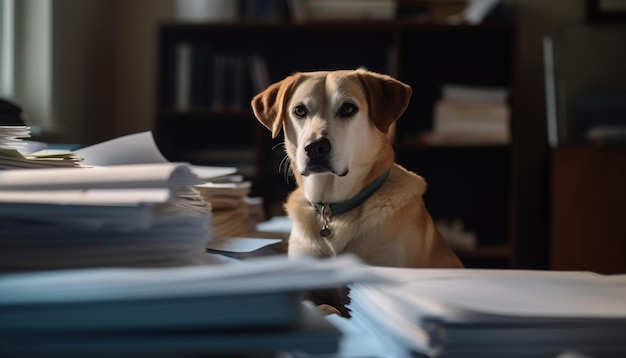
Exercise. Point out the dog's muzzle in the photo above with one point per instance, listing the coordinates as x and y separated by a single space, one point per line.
318 157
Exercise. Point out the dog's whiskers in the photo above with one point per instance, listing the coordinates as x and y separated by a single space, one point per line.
285 163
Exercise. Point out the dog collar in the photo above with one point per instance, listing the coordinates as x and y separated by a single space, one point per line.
326 210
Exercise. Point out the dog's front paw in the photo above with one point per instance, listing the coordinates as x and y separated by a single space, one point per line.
328 310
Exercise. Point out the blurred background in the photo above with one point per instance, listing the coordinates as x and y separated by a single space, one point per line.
517 119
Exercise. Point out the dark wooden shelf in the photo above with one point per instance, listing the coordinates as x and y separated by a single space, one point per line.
205 112
499 251
416 145
330 24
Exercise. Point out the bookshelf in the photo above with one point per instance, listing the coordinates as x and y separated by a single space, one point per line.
467 181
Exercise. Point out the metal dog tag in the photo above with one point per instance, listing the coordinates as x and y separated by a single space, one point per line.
325 232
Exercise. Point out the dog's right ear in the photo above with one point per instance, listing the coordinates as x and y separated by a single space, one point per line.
269 105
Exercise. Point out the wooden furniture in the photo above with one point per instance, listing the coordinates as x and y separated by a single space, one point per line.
472 183
589 208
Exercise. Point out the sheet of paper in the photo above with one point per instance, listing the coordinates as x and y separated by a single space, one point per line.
517 293
120 176
278 224
266 274
129 149
138 148
87 197
524 296
240 244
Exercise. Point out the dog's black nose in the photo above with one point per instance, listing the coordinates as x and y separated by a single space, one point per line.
319 149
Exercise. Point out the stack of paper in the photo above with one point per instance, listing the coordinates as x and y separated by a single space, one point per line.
231 215
11 137
14 152
142 214
493 313
220 310
468 115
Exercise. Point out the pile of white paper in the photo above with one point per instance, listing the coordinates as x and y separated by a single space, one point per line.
494 313
231 215
125 206
143 214
15 153
12 137
219 310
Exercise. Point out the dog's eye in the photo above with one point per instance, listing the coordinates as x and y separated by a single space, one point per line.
347 110
300 111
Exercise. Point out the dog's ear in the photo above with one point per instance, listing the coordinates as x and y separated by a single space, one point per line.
387 98
269 105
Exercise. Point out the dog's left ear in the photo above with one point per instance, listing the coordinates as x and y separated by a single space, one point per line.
268 106
387 98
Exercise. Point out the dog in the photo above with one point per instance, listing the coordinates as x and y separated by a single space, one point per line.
351 196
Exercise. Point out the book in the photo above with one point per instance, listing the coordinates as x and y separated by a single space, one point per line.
201 76
475 93
304 10
182 99
259 73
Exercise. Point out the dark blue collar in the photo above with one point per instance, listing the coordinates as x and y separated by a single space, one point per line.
327 210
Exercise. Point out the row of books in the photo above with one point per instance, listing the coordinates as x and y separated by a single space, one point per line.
208 79
230 10
306 10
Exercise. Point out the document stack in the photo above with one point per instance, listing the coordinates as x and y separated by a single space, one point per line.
15 152
494 313
125 206
127 215
466 115
250 309
233 211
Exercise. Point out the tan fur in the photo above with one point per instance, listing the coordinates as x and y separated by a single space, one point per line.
393 226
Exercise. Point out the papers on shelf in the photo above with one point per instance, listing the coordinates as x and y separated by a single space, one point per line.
491 312
467 115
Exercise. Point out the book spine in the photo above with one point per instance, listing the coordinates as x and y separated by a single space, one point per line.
219 81
183 76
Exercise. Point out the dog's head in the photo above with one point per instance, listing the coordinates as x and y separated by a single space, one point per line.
334 122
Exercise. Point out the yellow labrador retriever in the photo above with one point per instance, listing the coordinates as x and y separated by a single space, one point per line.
351 196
